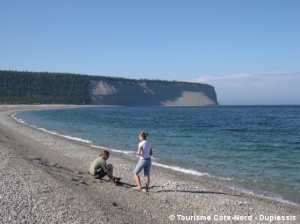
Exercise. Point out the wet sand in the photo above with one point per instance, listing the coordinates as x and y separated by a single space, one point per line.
44 179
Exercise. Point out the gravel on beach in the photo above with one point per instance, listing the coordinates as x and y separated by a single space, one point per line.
44 179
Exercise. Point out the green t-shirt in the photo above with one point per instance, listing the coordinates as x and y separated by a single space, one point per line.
97 165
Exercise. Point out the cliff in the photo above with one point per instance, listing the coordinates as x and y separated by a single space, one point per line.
151 93
63 88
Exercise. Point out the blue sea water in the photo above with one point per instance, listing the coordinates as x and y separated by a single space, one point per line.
256 148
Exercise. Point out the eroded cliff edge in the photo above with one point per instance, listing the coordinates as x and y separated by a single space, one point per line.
23 87
150 93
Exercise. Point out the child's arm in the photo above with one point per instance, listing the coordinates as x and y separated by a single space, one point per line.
139 151
104 166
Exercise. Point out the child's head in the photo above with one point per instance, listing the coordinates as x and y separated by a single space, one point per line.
104 154
143 135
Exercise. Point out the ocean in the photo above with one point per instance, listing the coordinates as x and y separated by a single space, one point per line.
251 148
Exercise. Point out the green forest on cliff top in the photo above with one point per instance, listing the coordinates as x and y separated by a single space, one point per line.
23 87
43 88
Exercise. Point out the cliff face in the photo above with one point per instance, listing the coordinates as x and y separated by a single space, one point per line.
150 93
64 88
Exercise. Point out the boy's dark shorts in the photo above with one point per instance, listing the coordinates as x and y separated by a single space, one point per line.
100 174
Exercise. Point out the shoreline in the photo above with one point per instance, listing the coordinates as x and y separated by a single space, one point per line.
171 194
224 181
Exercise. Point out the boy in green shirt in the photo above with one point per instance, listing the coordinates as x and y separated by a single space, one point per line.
99 168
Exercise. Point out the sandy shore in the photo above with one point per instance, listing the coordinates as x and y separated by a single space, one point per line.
44 179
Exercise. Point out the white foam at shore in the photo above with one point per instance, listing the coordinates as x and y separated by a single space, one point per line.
51 132
188 171
114 150
19 120
65 136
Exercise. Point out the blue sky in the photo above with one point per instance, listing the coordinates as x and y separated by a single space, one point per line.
249 50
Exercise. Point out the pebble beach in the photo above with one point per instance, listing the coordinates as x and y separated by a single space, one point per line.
44 179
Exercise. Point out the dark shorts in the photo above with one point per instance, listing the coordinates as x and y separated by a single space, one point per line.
100 174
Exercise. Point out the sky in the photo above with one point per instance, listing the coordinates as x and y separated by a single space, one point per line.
249 50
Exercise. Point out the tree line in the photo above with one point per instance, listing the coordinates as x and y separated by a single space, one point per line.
43 88
24 87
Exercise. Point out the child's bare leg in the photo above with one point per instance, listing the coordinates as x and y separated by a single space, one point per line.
110 171
147 182
138 181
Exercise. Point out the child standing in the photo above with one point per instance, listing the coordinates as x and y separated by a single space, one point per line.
144 151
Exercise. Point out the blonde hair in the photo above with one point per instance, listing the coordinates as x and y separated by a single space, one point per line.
143 134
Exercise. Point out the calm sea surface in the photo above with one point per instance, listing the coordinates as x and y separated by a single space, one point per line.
256 148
